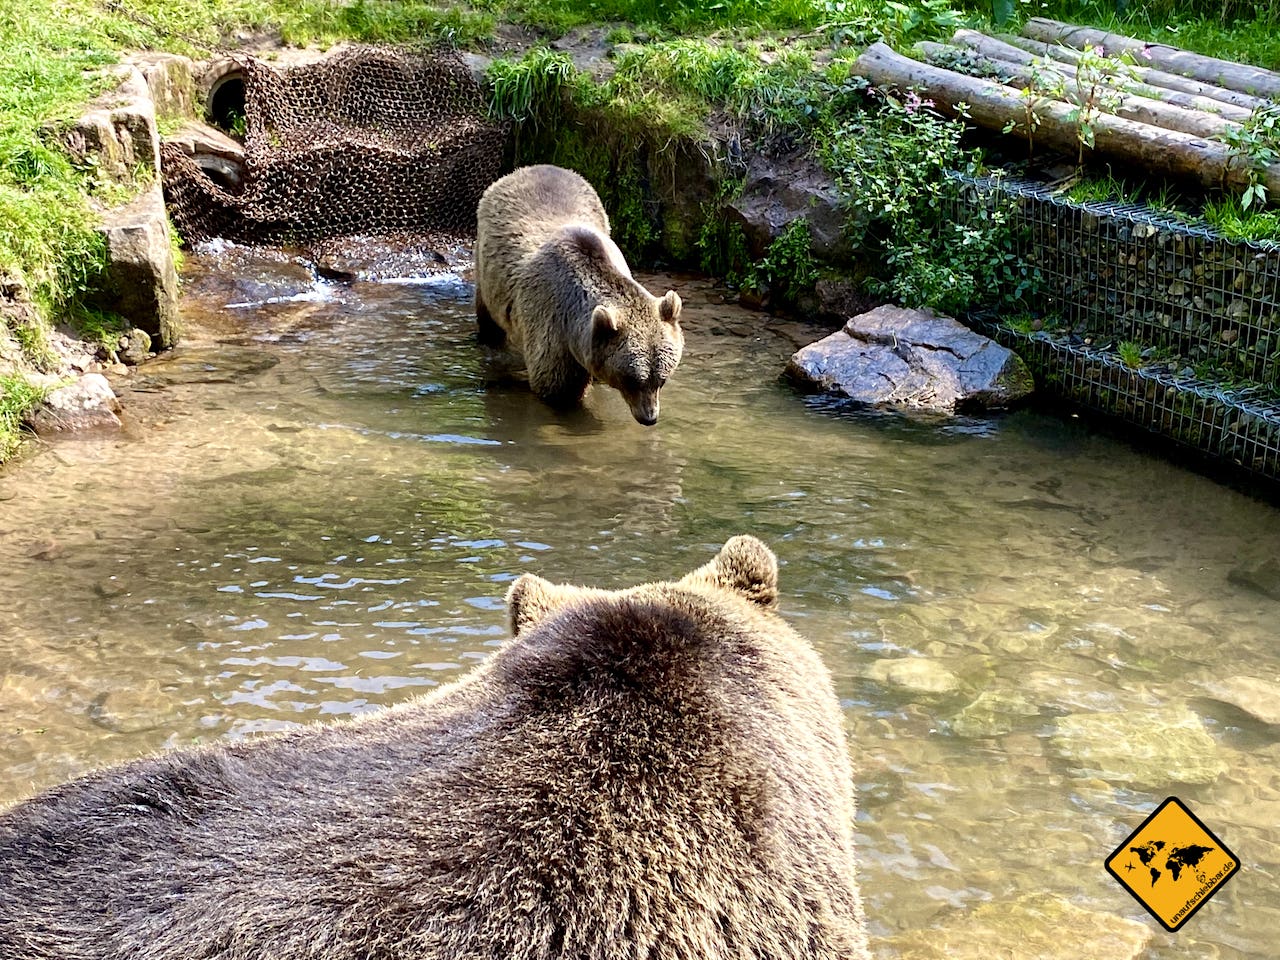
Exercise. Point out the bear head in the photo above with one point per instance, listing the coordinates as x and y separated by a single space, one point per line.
744 570
636 343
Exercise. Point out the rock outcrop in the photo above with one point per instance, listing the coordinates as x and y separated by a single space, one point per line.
141 282
118 133
912 358
778 191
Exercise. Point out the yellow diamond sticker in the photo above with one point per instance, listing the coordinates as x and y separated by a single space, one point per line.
1172 864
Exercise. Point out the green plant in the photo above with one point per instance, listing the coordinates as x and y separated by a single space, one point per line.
1096 91
897 23
787 270
721 243
100 327
1257 142
893 168
1026 323
1130 353
17 396
1047 85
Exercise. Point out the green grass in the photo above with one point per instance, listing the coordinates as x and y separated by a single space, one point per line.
47 240
664 17
1227 217
1155 194
17 396
1249 32
1130 353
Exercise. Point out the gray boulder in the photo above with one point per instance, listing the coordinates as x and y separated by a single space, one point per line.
778 191
912 358
118 132
141 282
87 404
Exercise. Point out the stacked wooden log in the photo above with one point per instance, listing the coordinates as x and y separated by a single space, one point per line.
1168 111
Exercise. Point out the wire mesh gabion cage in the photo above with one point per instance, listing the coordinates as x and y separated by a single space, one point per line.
1115 272
370 141
1227 426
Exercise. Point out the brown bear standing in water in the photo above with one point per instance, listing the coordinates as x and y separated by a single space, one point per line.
659 772
552 286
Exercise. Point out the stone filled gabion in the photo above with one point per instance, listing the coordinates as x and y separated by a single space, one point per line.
1124 272
370 141
1116 272
1227 426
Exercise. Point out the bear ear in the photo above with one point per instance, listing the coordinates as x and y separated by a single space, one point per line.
669 307
530 600
743 565
604 321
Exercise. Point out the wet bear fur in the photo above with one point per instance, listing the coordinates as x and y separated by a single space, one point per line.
553 287
659 772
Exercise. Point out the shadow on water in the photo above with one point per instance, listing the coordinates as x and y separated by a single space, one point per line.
325 492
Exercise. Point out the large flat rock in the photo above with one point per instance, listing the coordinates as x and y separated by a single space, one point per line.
914 358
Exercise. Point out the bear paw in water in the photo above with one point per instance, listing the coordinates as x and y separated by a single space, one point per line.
554 287
660 772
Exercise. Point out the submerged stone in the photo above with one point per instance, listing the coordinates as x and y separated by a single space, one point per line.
1152 747
993 714
1257 697
913 358
217 363
1262 577
1042 925
917 675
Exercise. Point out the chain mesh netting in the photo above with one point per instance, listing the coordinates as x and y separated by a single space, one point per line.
370 141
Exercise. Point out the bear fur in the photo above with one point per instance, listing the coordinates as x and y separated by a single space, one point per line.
659 772
553 287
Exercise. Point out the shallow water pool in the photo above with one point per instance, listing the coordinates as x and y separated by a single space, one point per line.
321 498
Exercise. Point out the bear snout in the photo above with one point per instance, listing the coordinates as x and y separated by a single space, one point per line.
644 407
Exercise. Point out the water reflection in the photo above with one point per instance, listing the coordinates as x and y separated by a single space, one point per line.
324 495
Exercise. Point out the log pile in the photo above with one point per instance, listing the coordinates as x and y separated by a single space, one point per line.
1164 110
1205 309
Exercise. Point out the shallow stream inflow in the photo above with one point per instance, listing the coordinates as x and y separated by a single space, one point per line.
322 497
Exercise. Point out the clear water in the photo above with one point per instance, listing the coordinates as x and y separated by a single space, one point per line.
320 499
